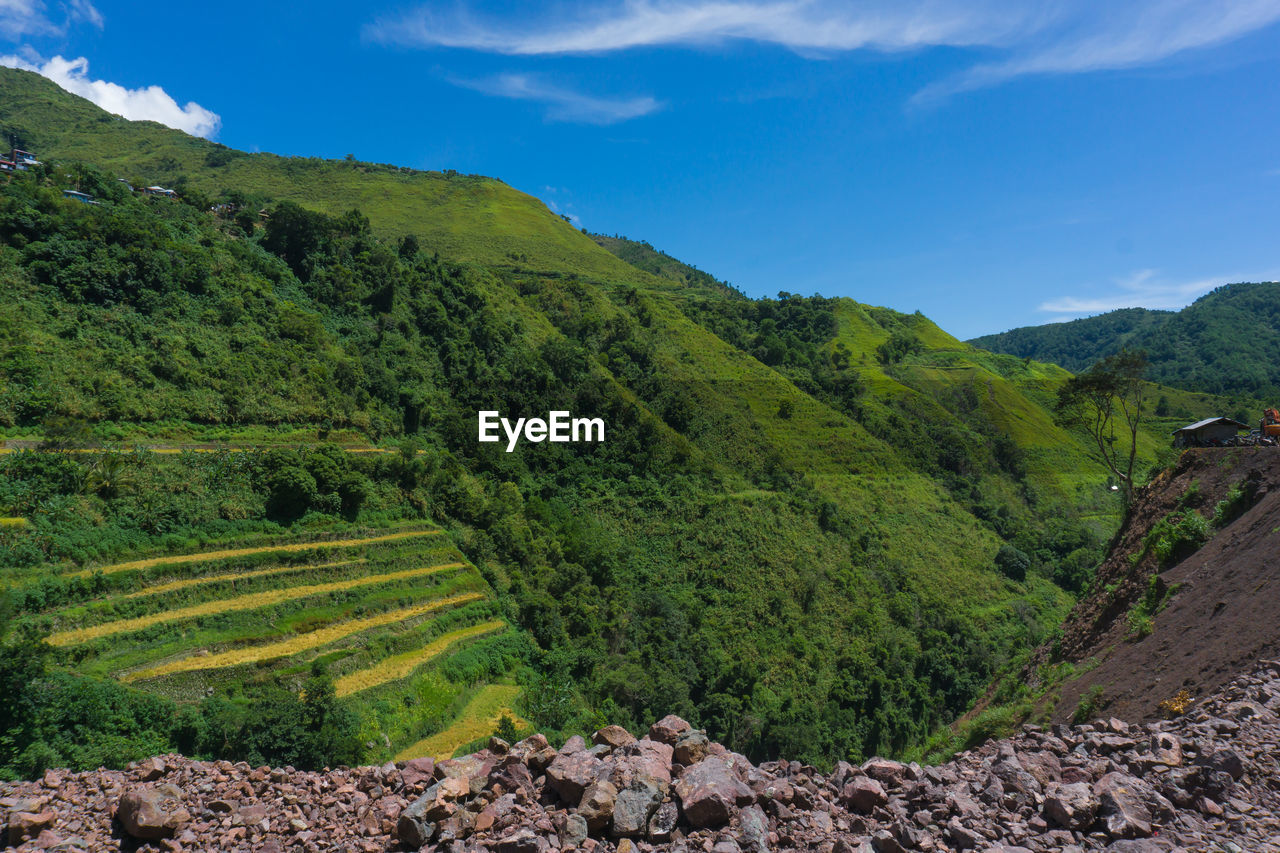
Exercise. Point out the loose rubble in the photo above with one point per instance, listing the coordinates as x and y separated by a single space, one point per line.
1206 781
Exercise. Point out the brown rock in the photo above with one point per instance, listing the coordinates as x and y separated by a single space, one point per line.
884 771
863 794
690 748
28 825
613 736
596 806
571 773
1121 807
668 730
152 813
710 792
418 770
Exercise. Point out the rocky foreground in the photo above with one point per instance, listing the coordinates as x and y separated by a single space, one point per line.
1208 780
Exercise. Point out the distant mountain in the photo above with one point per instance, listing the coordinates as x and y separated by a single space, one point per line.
1226 342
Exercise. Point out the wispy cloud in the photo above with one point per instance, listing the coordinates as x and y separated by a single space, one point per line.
22 18
563 104
148 103
1122 35
1142 289
797 24
1047 38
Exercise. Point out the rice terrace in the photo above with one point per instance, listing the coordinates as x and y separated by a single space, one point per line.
384 610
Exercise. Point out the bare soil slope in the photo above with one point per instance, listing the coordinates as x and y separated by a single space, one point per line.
1224 610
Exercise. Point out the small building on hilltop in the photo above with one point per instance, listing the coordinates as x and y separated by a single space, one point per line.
1206 432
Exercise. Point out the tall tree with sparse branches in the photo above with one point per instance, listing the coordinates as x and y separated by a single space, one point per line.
1107 401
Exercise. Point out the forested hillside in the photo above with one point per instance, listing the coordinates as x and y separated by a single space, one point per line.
815 527
1223 343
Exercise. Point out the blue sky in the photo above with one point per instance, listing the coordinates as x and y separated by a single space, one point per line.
991 163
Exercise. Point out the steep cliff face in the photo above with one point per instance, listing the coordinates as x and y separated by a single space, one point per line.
1187 596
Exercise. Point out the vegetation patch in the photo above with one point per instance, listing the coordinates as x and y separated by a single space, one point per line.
303 642
480 717
243 602
399 666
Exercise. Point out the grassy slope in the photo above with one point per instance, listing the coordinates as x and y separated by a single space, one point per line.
753 551
465 217
645 257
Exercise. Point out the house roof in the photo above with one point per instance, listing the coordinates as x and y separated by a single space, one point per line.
1207 421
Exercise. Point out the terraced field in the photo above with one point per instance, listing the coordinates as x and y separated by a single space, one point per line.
479 717
407 628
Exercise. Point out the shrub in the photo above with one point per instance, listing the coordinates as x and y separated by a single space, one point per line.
1237 501
1176 537
1090 704
1012 563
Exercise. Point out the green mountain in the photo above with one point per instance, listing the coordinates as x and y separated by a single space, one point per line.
815 527
1223 343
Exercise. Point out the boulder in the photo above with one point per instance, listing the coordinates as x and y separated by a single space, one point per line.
754 829
1071 805
884 771
1121 807
644 759
663 823
863 794
418 771
27 825
1225 760
1166 749
596 806
710 792
614 736
635 804
571 773
690 748
572 829
153 813
417 822
521 841
668 730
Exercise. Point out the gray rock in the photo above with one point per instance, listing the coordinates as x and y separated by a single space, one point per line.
634 806
1070 806
754 830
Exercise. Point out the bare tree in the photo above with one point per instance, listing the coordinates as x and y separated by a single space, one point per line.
1105 400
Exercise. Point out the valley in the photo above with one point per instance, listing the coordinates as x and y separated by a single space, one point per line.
242 466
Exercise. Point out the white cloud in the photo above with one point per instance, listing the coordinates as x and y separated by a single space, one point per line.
1123 35
567 212
563 104
1141 289
83 10
19 18
150 103
798 24
1056 37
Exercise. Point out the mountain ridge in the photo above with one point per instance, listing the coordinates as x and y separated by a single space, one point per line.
1223 343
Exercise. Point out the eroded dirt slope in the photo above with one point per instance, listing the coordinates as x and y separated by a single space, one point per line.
1224 610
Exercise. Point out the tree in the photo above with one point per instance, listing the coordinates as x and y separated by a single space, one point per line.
1106 398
